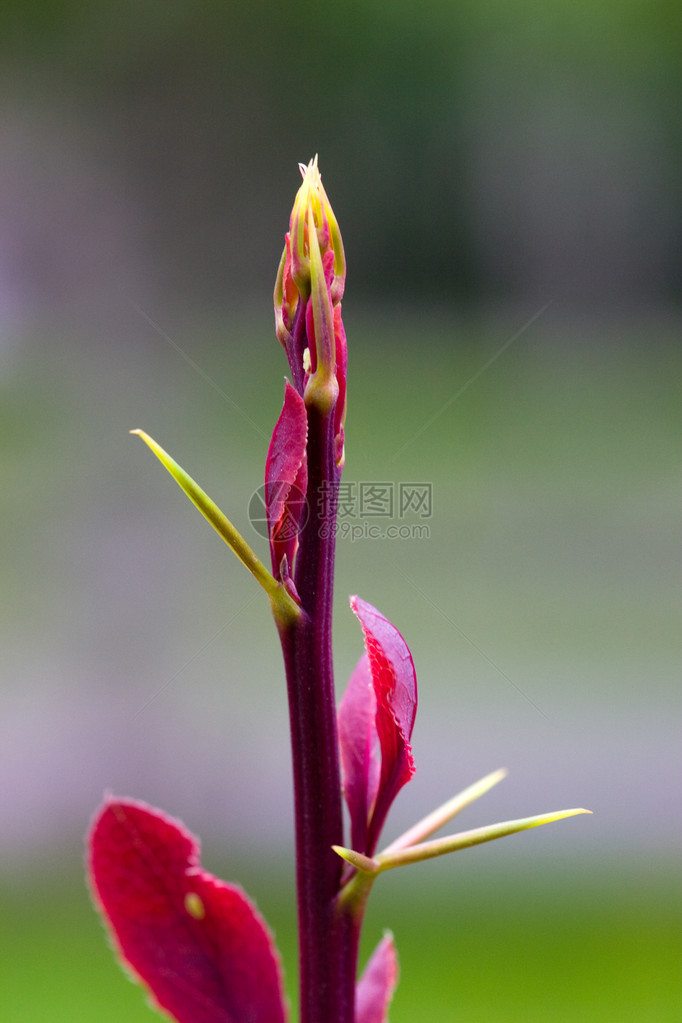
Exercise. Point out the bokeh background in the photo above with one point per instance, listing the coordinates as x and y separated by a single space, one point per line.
506 176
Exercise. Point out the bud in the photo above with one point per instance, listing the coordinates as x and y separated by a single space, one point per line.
308 292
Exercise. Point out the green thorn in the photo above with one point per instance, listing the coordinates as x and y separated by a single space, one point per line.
364 863
465 839
431 823
369 867
284 608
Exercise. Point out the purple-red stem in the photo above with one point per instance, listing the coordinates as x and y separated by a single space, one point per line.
327 939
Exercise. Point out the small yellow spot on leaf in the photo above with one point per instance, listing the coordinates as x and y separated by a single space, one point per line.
195 906
307 363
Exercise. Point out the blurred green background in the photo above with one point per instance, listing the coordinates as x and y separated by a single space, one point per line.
506 176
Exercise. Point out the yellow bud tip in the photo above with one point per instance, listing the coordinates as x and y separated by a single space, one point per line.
195 906
310 169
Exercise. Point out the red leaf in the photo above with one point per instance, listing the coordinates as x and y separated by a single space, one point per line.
286 479
198 943
341 371
395 687
377 984
359 757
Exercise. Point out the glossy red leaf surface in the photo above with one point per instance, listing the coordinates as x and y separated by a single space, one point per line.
395 688
197 943
377 984
358 744
286 479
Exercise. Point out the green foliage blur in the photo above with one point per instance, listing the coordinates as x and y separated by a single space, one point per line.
464 122
515 949
487 161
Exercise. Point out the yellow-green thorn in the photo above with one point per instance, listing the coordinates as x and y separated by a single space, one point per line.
284 608
369 867
363 863
433 821
465 839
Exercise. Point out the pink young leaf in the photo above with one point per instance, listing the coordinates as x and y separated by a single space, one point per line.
376 986
358 743
197 943
341 370
395 687
286 479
